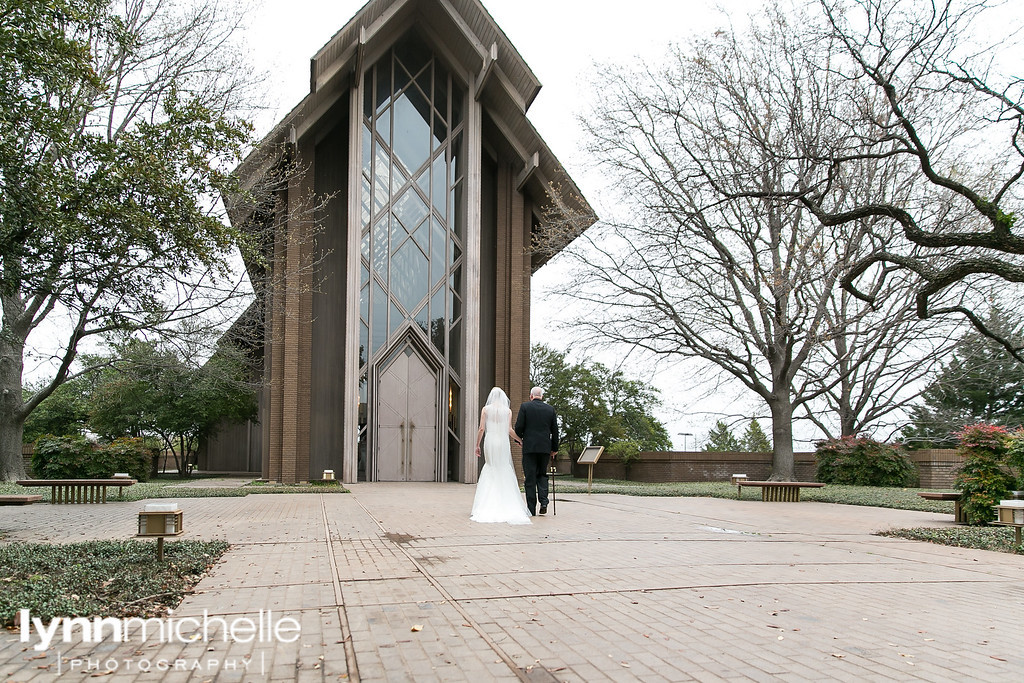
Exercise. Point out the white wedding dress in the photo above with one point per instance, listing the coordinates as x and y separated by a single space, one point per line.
498 498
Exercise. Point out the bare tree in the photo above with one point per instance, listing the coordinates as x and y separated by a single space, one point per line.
707 267
951 111
741 283
874 365
872 372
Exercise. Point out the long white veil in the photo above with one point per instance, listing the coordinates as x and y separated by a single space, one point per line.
497 398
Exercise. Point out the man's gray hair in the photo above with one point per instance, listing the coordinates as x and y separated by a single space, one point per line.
536 392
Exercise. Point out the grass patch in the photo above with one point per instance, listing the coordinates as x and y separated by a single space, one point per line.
874 496
998 538
100 578
172 488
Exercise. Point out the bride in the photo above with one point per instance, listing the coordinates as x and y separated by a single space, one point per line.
497 491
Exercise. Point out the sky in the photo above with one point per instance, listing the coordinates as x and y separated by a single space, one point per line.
560 40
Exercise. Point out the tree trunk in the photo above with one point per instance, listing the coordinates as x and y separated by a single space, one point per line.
782 438
12 422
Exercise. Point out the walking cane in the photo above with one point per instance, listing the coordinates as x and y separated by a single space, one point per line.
553 475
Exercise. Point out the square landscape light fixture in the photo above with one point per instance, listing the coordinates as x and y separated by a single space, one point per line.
161 519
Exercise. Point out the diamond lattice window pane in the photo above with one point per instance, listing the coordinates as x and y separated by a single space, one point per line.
396 318
410 209
383 82
411 143
365 201
367 147
381 194
409 275
438 329
380 316
437 265
437 180
422 235
422 318
380 245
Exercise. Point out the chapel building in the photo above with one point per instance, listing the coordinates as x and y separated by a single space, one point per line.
397 285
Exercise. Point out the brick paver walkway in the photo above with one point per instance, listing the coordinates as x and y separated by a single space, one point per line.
394 583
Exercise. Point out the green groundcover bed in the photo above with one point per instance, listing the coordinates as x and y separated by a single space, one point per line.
100 578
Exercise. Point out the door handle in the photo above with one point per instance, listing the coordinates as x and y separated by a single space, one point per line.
405 453
412 426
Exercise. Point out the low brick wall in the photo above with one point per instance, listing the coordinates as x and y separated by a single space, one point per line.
936 467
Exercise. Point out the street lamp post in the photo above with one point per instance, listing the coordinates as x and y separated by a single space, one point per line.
684 435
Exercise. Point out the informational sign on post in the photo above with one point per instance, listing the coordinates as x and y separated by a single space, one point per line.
589 457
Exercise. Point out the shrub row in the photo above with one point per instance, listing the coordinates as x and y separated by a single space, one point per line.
76 457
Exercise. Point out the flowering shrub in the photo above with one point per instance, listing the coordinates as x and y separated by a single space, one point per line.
862 461
983 479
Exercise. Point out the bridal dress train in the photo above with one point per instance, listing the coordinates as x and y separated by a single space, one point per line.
498 498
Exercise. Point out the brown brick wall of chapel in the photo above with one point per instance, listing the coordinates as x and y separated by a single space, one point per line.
291 331
512 293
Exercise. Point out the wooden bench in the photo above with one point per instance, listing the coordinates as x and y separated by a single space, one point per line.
959 516
78 490
781 491
19 500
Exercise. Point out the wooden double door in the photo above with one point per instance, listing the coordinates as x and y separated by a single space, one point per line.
406 416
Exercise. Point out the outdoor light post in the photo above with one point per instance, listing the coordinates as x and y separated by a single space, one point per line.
684 435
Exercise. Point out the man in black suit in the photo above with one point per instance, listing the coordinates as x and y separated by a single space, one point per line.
537 426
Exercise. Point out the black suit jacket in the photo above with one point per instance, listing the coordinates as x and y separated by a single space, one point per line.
537 426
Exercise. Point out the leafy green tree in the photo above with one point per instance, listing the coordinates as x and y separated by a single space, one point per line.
596 404
118 132
721 440
575 393
981 383
754 439
63 413
149 391
629 404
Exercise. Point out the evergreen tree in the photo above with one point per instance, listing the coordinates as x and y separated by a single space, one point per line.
755 440
980 383
721 439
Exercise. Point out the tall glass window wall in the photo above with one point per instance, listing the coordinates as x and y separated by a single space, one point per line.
413 218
